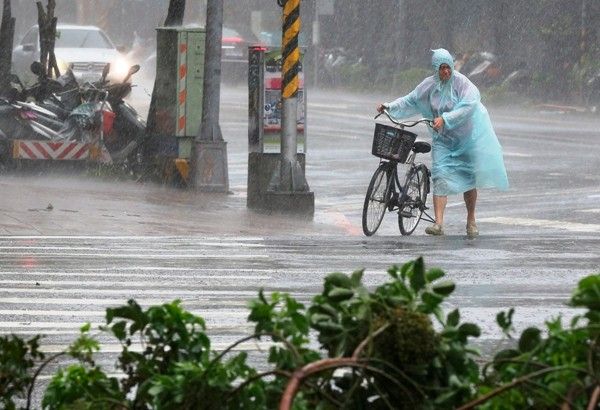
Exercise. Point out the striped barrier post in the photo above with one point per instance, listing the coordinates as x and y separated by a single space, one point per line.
289 90
182 97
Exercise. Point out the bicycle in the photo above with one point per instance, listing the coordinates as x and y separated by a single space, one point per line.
395 145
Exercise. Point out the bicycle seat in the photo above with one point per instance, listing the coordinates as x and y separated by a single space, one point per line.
421 147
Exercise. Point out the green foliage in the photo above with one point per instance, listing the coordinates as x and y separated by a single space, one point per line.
284 321
83 385
17 359
388 347
551 366
172 355
396 319
79 387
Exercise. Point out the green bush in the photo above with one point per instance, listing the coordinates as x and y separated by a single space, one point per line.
390 347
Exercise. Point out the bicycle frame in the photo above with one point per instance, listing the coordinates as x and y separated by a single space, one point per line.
405 193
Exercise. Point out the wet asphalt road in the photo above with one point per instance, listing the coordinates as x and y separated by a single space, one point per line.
105 242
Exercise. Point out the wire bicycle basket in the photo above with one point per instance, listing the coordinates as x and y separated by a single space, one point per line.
392 143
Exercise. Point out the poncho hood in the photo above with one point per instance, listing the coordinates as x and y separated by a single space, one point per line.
441 56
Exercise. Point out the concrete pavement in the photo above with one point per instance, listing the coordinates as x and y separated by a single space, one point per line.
79 204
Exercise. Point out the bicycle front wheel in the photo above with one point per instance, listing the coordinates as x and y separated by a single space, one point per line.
413 203
376 200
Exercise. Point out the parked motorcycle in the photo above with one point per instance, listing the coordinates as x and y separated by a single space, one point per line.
485 69
29 121
126 141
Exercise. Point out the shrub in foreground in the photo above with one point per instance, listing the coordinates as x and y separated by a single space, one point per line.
391 347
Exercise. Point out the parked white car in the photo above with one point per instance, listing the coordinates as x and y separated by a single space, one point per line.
86 49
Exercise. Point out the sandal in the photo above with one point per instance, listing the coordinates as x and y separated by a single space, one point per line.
435 230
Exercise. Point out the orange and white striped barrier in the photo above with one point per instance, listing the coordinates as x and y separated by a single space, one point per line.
59 151
181 120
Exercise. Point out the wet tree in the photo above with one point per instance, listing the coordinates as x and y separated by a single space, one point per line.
175 13
47 33
7 33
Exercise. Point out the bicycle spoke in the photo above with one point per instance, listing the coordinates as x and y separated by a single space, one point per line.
375 201
413 204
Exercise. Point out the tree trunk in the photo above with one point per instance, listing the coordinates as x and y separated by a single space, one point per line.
175 13
47 33
7 33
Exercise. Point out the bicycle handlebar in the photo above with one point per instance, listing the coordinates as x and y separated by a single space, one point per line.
408 124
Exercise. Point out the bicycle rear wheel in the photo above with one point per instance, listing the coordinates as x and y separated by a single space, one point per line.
376 200
413 203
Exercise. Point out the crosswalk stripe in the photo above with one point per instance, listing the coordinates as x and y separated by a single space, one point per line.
133 256
544 223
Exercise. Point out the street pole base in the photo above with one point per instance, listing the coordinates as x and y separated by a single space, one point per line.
211 167
263 192
300 204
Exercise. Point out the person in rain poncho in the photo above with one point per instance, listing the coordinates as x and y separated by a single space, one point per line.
466 154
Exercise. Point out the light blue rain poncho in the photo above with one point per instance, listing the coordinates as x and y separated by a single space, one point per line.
466 153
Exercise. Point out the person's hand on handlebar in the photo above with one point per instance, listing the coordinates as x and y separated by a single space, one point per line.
438 123
380 108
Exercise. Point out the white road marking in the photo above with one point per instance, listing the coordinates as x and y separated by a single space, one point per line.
544 223
131 292
187 283
166 255
205 313
594 211
117 348
85 248
332 106
517 154
105 302
191 240
524 317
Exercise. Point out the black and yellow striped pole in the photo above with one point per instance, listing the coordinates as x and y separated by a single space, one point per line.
290 55
291 52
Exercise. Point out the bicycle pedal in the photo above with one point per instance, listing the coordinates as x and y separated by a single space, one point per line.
406 214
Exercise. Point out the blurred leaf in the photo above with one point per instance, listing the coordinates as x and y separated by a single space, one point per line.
406 269
393 272
530 339
453 318
469 330
356 277
434 274
431 300
337 294
587 293
337 279
417 279
504 320
444 288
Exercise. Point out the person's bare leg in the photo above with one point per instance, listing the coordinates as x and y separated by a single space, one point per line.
439 206
470 201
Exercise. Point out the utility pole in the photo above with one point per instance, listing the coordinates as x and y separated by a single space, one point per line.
209 159
293 189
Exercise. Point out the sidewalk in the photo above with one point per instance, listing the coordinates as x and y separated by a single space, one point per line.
87 205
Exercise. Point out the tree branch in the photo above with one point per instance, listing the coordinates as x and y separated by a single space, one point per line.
516 382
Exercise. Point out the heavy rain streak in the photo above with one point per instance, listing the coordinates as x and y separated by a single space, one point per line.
203 151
